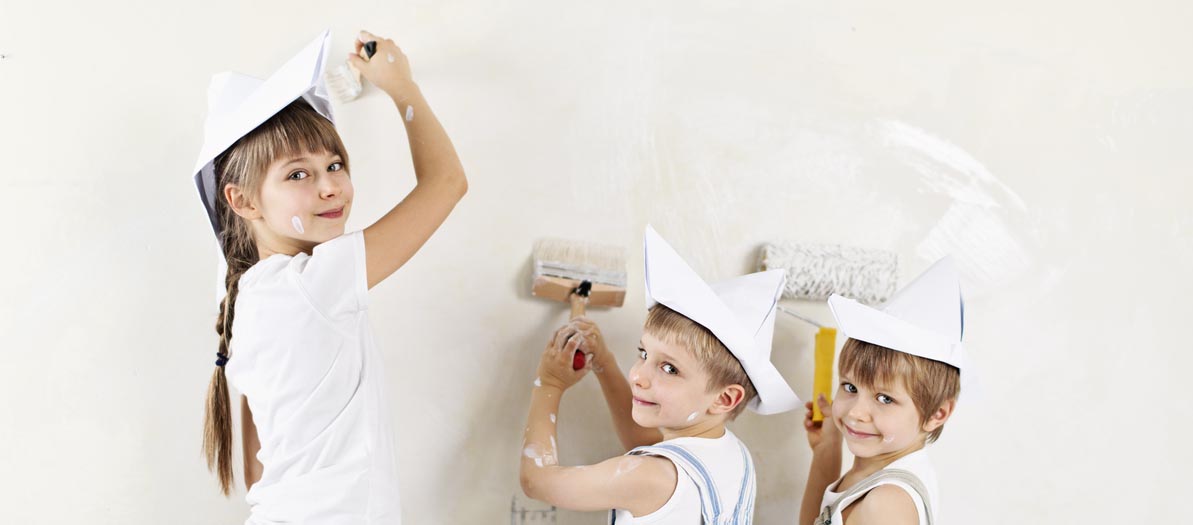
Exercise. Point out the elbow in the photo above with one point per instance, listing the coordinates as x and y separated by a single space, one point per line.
527 478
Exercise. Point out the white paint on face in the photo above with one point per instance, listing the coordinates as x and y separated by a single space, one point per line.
409 113
297 224
692 416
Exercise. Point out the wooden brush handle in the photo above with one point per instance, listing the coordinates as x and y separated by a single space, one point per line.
579 302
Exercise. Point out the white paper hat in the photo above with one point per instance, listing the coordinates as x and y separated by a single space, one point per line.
926 318
740 312
237 104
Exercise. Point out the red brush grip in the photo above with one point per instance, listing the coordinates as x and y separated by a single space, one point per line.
578 360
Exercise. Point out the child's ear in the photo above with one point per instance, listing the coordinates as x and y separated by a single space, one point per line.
241 204
937 419
728 399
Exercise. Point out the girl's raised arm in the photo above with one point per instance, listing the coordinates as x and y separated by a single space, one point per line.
395 238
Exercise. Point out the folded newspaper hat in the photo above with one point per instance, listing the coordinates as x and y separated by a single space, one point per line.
740 312
237 104
926 318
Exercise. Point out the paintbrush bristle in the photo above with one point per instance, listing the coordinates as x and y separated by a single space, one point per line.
598 263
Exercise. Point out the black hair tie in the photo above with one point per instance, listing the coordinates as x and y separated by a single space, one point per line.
221 359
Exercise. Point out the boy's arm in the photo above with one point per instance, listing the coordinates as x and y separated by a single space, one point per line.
825 441
638 484
883 505
615 388
396 236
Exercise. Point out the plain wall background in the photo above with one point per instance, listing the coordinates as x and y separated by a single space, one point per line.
1044 145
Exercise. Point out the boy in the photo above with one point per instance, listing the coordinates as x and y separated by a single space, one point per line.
703 357
900 375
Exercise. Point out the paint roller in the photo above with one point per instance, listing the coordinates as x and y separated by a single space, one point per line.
580 273
816 271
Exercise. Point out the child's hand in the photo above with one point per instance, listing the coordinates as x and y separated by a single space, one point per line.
593 343
555 367
388 69
823 433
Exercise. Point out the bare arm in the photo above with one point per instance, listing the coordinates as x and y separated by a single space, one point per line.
441 183
825 441
883 505
638 484
252 445
615 389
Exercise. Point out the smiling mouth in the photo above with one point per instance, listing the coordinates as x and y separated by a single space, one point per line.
642 402
333 214
858 435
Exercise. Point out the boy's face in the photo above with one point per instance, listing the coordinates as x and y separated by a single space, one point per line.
876 421
670 387
305 199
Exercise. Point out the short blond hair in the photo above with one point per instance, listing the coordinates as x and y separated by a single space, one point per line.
930 383
723 368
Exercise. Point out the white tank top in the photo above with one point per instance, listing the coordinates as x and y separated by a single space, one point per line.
918 463
303 354
715 483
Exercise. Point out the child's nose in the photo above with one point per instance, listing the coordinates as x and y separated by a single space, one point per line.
329 187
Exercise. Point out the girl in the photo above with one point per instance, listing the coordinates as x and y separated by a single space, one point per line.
318 445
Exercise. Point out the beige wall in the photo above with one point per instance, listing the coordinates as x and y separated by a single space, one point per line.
1045 146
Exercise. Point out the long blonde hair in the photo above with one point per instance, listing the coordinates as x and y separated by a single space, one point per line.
296 129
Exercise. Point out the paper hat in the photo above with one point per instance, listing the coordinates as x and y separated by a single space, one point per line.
925 319
237 104
740 312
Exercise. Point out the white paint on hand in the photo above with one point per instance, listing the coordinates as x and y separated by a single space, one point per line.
297 224
390 57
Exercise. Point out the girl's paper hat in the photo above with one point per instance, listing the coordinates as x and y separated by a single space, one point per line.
925 319
237 104
740 312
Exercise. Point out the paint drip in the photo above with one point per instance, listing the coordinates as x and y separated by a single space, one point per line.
627 465
409 113
297 224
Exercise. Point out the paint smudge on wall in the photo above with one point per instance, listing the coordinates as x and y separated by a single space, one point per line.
974 229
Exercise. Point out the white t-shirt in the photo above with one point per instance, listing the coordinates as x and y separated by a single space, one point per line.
303 353
917 463
726 471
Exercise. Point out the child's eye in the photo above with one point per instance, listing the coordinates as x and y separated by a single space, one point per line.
336 166
668 368
885 399
295 175
642 354
849 388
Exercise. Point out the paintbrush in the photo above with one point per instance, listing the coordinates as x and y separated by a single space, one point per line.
583 274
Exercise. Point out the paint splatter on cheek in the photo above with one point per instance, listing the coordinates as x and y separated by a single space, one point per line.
692 416
297 224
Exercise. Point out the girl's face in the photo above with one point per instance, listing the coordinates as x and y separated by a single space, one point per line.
305 199
669 386
877 421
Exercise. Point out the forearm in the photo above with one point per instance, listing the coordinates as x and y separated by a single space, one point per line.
825 469
539 450
620 401
431 150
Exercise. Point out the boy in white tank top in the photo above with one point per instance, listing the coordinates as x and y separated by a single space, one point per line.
901 371
703 357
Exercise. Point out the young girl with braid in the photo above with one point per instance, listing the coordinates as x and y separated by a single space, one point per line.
295 339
